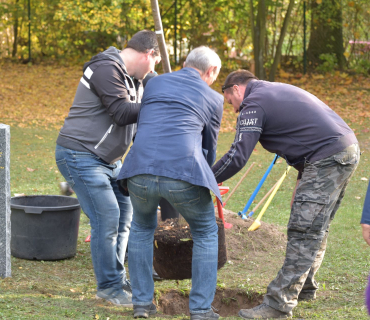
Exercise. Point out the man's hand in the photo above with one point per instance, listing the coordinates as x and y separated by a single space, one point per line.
366 233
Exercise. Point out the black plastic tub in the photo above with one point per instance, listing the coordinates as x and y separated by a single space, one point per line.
44 227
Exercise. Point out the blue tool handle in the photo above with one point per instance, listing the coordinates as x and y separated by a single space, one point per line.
254 194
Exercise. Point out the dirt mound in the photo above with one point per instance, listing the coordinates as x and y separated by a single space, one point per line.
228 302
173 249
267 237
256 255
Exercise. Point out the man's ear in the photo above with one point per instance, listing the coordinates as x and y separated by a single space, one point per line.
149 53
212 71
236 90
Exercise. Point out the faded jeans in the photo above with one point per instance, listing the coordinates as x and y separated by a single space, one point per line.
110 213
195 205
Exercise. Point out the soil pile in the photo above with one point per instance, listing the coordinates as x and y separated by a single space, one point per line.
248 253
173 246
268 238
227 302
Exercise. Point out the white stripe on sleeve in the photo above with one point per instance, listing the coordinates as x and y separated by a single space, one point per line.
85 82
88 73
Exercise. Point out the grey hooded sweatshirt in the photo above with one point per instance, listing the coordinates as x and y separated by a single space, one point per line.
103 115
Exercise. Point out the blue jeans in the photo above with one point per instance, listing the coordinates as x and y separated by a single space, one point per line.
195 205
110 213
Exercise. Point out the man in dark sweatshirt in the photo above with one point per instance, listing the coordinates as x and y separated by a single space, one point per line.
311 137
96 134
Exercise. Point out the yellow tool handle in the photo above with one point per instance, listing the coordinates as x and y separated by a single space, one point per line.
265 196
256 224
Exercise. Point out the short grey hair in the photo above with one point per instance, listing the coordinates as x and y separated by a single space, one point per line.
202 58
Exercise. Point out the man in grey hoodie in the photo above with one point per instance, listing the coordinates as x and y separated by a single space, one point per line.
96 133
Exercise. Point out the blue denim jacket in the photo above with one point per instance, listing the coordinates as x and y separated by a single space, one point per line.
178 127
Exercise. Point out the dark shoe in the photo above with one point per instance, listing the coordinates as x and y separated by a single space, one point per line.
263 311
156 276
126 286
65 189
144 311
117 297
204 316
307 296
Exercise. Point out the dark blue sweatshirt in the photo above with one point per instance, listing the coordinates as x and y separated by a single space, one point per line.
365 219
286 120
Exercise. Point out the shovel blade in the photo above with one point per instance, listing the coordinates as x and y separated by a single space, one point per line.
255 225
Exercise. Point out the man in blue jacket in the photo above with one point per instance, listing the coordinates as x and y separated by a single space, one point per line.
174 147
311 137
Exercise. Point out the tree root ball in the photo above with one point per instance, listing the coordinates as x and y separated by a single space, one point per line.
173 247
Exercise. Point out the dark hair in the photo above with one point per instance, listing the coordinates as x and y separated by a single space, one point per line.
239 77
143 41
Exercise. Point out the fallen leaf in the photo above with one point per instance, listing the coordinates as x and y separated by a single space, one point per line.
364 179
317 77
358 198
72 290
30 170
19 194
156 244
186 239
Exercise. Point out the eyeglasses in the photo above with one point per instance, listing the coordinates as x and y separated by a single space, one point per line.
227 86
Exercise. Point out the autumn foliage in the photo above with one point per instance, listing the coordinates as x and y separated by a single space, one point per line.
41 95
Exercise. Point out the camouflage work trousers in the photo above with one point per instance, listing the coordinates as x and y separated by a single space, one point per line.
317 199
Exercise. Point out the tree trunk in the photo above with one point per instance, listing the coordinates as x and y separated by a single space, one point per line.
259 39
15 30
326 32
281 40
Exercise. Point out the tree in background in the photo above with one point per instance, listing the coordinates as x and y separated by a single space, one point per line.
326 38
258 29
270 32
279 46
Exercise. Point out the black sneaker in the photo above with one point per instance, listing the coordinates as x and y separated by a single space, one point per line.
126 286
144 311
117 297
307 295
263 311
156 276
65 189
204 316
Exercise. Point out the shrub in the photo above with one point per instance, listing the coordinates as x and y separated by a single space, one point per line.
329 62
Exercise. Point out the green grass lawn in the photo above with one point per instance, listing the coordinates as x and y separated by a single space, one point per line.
66 289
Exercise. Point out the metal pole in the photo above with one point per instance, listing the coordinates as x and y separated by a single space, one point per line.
160 37
29 30
175 29
304 39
